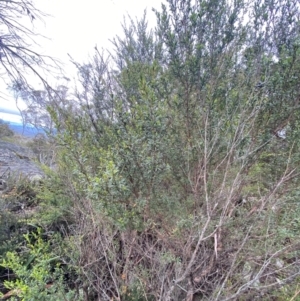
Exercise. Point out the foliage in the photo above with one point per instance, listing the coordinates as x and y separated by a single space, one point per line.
178 158
5 131
38 271
18 198
43 148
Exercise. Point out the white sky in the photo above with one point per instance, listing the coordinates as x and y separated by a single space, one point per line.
75 27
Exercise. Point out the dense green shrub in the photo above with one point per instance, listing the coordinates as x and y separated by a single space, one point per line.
177 165
38 271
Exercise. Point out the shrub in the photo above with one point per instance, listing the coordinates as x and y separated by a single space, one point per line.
5 131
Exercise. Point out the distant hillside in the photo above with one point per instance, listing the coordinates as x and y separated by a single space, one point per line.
27 131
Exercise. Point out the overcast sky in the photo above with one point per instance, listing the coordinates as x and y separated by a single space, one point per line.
75 27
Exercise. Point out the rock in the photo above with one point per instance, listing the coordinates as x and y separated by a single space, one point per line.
36 179
3 185
17 161
279 263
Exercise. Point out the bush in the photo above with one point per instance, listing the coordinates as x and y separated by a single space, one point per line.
39 274
5 131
